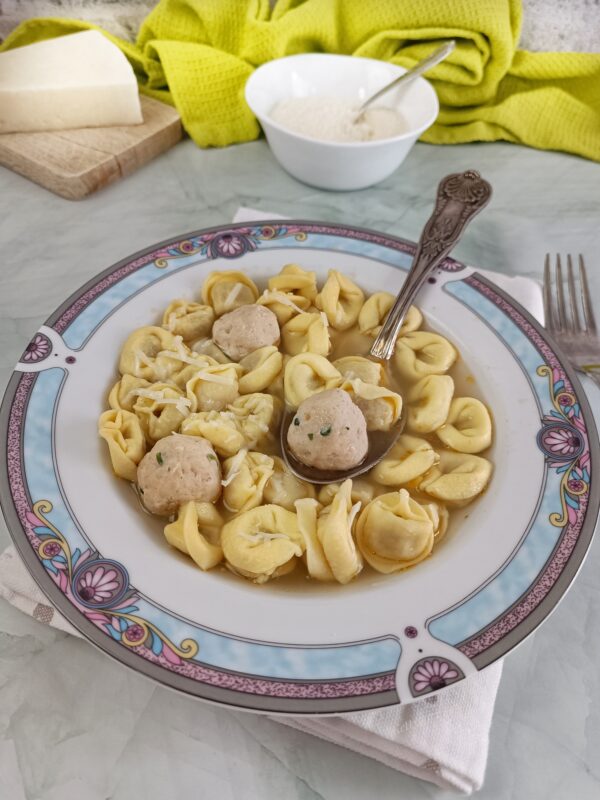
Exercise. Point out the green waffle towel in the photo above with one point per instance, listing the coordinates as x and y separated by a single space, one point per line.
198 54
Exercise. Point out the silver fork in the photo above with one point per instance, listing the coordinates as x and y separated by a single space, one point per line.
573 325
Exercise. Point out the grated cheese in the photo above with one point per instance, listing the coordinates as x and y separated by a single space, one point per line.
178 357
171 321
234 468
183 406
212 377
281 297
180 353
181 403
142 358
233 295
260 537
353 512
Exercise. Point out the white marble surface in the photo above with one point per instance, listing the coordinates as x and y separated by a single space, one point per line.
96 730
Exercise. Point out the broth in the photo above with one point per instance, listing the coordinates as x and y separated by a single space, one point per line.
343 344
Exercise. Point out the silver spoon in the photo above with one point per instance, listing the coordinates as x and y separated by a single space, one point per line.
459 198
408 77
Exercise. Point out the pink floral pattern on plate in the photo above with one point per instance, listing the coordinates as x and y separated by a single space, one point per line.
38 349
431 674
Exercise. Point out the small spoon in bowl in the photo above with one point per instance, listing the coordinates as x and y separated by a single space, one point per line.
408 77
460 197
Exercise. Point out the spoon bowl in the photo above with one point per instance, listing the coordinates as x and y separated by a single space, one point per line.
380 443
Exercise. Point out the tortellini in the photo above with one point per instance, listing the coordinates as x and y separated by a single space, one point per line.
264 521
262 543
306 333
422 353
284 305
207 347
295 280
246 422
138 356
196 532
257 415
261 368
457 479
190 371
284 489
429 403
123 394
188 320
220 428
395 532
381 407
440 517
408 459
468 427
212 388
306 375
160 409
361 492
341 300
316 562
276 386
375 310
166 364
334 530
227 290
246 475
351 367
123 434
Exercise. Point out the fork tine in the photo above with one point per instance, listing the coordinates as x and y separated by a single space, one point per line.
573 296
588 314
560 296
548 315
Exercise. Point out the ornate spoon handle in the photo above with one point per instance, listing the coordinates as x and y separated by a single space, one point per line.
459 198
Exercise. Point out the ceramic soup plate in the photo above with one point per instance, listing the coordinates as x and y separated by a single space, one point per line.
289 647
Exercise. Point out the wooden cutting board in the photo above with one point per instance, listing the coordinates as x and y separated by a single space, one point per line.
75 163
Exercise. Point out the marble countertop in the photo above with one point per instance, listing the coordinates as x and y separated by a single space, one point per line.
102 731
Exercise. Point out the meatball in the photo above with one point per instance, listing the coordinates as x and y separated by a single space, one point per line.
329 431
244 330
176 470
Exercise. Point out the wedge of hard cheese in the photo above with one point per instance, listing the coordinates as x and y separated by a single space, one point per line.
77 81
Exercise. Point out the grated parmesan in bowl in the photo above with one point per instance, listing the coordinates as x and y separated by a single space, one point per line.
306 106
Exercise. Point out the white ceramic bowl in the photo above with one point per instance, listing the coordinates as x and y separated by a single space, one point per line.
338 165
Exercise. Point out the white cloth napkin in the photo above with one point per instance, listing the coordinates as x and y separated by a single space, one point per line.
442 738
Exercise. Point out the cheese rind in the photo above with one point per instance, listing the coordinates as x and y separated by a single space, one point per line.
77 81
